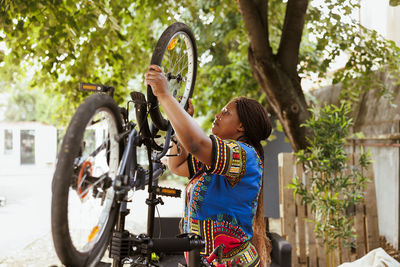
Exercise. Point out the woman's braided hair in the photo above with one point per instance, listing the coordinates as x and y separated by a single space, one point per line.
257 127
255 121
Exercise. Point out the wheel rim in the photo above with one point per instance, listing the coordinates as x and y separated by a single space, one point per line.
91 194
178 64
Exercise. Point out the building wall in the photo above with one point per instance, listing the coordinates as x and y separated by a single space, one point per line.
386 169
44 153
380 16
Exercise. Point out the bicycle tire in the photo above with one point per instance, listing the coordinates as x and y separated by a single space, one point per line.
105 157
187 44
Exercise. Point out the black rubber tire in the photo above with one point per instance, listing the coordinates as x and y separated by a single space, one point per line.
162 45
63 244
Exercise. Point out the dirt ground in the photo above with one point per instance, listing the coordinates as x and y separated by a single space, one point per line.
38 253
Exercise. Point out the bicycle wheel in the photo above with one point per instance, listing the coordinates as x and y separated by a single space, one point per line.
83 208
176 53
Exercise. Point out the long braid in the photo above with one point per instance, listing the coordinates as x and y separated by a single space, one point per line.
254 119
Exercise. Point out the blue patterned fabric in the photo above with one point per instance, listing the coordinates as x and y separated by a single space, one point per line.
221 199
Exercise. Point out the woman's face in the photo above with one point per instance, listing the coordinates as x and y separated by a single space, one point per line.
226 124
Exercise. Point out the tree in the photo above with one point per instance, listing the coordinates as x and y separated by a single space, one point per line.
278 72
66 42
111 42
29 106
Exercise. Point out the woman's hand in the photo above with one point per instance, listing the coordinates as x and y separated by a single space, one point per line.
190 135
157 80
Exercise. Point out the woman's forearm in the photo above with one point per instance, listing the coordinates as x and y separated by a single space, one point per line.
190 135
177 161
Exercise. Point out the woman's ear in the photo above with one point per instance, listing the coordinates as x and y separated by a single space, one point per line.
240 128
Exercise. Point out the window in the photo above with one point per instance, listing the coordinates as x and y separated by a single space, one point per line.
27 147
90 142
8 142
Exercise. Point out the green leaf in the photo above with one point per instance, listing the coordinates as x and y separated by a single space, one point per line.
394 2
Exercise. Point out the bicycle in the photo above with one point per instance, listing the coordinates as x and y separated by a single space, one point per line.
98 165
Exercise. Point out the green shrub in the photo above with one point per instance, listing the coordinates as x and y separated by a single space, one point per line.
335 185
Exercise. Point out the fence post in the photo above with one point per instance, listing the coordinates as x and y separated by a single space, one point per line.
372 228
286 166
301 215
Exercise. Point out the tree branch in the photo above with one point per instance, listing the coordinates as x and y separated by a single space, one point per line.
255 17
288 52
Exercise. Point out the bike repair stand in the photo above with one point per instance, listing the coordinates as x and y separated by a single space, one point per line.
139 250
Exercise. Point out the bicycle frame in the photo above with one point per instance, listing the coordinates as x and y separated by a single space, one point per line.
109 166
132 176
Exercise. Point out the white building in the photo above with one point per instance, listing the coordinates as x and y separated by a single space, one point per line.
380 16
27 148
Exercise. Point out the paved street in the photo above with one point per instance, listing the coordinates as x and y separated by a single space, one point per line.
25 237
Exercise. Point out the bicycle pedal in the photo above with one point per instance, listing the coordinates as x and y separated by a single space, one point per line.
169 192
92 87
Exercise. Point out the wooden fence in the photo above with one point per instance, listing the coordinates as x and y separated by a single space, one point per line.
306 249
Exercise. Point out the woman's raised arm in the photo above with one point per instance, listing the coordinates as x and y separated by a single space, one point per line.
189 133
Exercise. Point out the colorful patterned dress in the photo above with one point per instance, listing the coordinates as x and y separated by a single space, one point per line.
221 200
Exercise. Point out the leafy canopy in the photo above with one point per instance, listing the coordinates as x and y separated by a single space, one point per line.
64 42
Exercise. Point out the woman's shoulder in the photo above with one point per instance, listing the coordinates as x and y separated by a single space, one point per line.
252 155
249 151
246 146
235 144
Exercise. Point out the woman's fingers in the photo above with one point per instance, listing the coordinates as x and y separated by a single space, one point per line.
152 75
155 68
157 80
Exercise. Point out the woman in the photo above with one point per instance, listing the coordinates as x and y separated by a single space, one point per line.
224 195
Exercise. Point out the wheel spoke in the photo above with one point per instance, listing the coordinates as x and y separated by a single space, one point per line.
82 195
178 65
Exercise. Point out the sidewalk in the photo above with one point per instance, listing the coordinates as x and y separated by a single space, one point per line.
25 235
26 215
